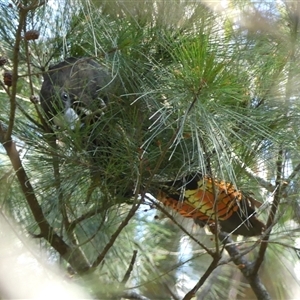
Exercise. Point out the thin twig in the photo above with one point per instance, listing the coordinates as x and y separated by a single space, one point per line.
87 215
162 209
242 251
209 270
59 191
205 290
6 90
31 98
114 236
286 183
215 204
245 267
91 237
271 217
18 38
160 278
130 268
28 63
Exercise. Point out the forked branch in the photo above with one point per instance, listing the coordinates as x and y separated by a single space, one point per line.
245 267
68 253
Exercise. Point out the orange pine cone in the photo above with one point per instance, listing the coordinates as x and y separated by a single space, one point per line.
196 197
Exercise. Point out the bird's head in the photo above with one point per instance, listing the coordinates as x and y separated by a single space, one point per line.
74 88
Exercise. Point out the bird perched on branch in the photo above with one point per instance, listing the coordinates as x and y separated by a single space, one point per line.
78 87
74 88
78 91
206 200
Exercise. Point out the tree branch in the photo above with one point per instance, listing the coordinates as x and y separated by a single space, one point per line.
130 268
245 267
18 38
115 235
162 209
87 215
73 256
272 214
212 266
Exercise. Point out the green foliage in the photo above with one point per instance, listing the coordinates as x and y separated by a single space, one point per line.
196 92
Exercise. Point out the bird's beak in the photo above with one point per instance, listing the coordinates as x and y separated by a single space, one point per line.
67 119
71 117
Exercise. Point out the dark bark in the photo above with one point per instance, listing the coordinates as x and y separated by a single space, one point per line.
245 267
72 255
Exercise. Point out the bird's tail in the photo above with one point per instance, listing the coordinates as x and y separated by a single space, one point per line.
206 200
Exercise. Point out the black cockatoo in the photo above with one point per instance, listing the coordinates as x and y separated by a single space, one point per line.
77 87
75 92
74 88
206 200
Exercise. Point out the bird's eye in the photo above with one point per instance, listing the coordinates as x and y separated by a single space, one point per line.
65 96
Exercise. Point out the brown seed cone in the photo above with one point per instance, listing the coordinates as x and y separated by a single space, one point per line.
32 35
3 61
7 78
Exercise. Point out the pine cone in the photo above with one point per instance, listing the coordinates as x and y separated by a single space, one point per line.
7 77
32 35
3 61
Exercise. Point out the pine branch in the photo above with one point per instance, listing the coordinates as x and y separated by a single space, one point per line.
13 105
245 267
96 210
130 268
165 212
115 235
162 282
209 270
71 255
272 214
28 191
209 285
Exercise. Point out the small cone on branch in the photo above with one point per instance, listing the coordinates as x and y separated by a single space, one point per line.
3 61
7 78
32 35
